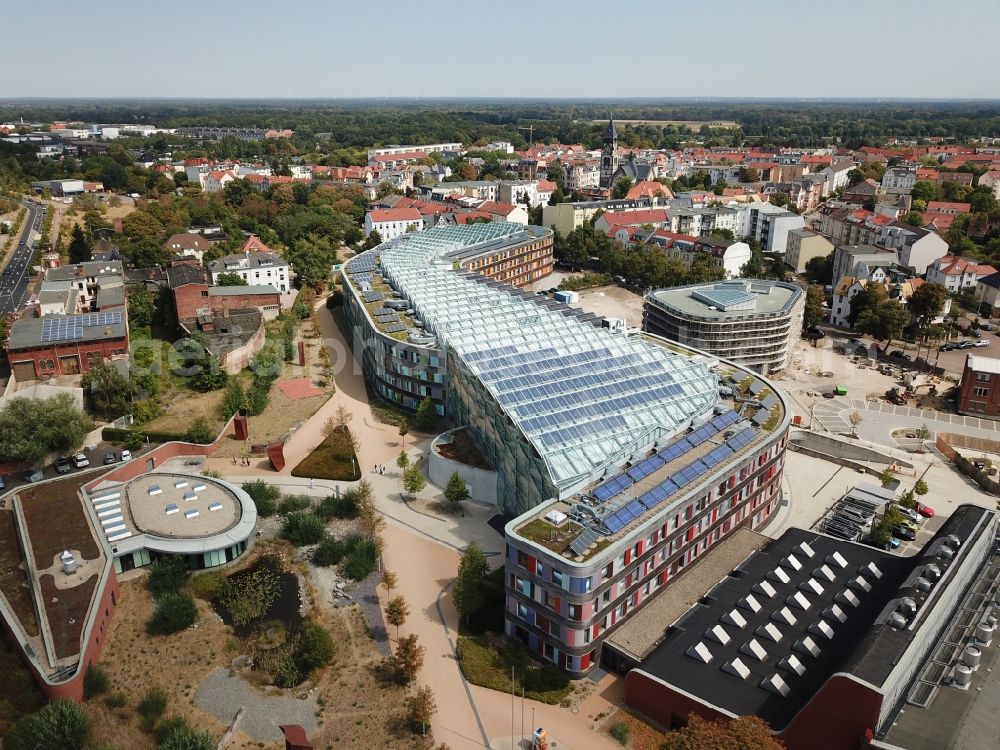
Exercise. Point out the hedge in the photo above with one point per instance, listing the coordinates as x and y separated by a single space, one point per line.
120 435
489 666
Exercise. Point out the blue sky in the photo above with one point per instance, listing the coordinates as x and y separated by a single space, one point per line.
547 48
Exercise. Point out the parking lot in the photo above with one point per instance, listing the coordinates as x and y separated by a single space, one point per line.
95 456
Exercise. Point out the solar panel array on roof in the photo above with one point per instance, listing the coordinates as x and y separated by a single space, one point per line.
373 296
363 278
612 487
582 397
395 328
364 263
387 318
583 542
60 328
645 467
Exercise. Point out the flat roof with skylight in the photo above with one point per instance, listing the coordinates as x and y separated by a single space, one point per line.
736 298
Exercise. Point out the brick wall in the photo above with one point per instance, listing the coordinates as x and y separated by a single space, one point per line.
979 393
191 298
41 357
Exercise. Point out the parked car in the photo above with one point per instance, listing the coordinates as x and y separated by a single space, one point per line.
985 326
980 343
814 332
110 458
925 510
900 356
904 532
33 475
966 345
947 347
80 461
125 455
911 515
63 466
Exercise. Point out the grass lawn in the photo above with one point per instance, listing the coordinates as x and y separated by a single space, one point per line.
332 459
487 662
556 539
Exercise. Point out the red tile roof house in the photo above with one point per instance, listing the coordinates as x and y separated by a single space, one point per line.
391 223
955 274
505 212
654 216
187 245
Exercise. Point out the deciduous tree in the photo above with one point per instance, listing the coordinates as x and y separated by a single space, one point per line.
396 612
468 593
409 656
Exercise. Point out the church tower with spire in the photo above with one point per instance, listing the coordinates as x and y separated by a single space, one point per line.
609 154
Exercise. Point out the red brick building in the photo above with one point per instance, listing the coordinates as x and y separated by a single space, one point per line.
979 391
194 297
65 344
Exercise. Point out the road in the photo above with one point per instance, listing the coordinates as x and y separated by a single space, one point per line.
14 278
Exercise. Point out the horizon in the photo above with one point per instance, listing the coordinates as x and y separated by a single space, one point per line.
189 50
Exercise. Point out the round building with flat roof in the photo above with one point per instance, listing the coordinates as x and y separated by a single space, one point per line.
207 520
750 321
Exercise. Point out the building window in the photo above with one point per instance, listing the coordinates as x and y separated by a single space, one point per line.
981 391
983 377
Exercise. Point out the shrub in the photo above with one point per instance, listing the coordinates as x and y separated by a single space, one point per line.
345 506
207 585
152 706
329 552
489 666
95 682
174 611
167 575
264 496
303 528
620 732
61 725
176 734
316 646
234 399
292 503
362 559
146 410
200 432
116 699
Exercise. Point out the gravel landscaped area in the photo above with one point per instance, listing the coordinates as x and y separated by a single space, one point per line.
223 693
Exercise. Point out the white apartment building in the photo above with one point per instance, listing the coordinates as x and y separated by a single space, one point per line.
254 268
391 223
899 179
955 274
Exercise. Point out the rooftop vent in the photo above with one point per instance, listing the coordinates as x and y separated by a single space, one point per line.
778 575
897 621
700 652
736 667
774 684
859 584
963 676
984 633
806 646
923 585
907 607
769 631
932 572
717 634
812 586
835 613
871 569
972 656
792 664
837 560
823 572
953 541
805 550
764 589
821 628
945 553
68 561
783 615
754 649
733 617
749 603
799 601
791 562
847 597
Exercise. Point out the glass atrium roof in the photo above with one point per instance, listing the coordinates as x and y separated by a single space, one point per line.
585 397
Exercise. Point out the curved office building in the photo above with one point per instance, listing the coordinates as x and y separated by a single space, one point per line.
551 398
752 322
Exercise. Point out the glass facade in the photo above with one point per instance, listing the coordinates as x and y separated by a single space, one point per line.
551 400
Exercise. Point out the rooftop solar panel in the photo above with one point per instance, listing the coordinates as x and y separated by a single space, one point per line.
395 328
645 467
613 524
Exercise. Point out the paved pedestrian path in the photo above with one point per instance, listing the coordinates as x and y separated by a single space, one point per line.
881 419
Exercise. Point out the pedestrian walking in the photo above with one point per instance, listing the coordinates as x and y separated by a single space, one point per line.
312 483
